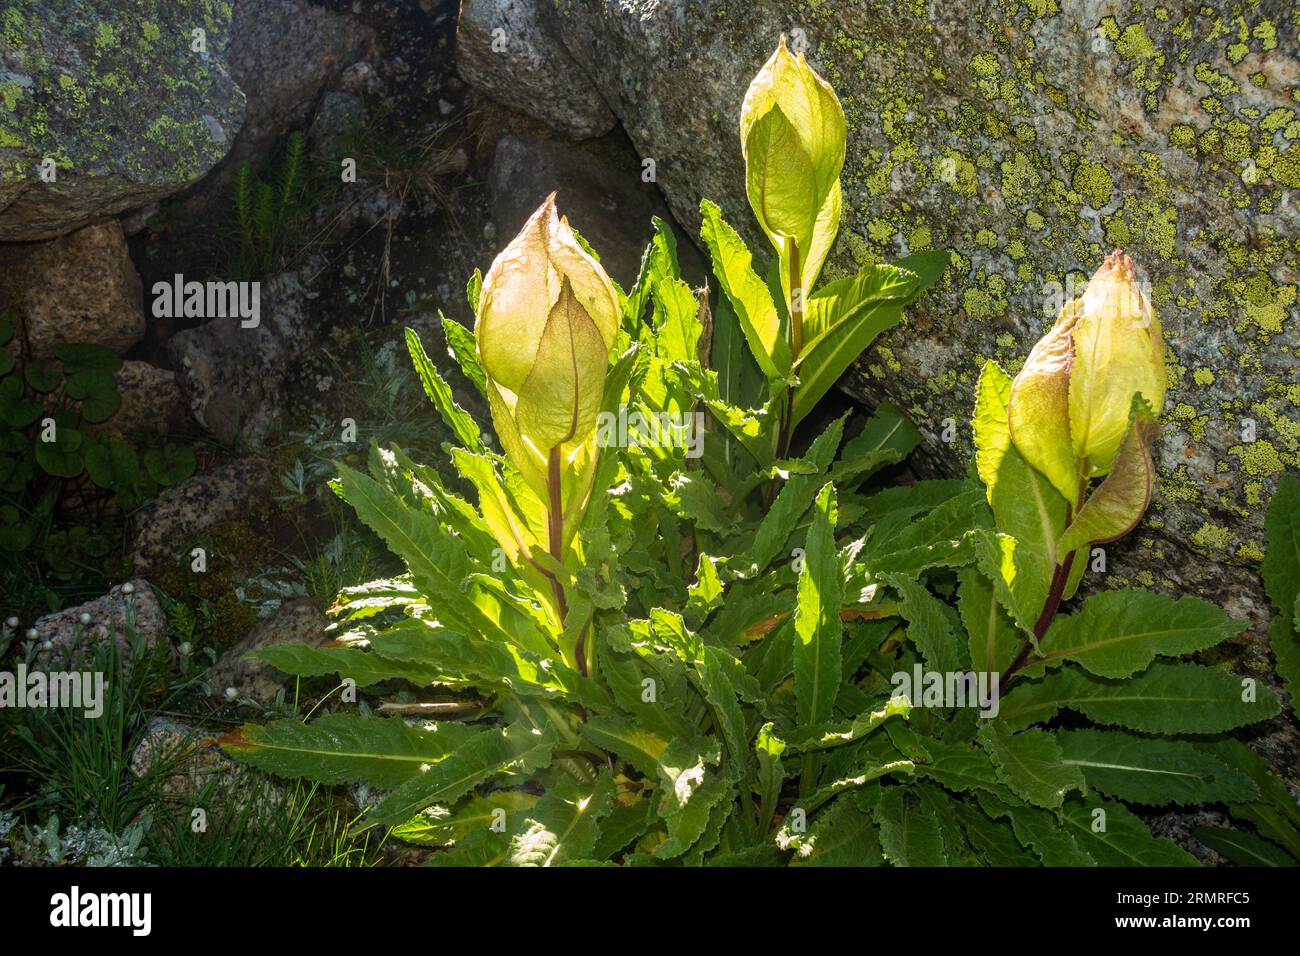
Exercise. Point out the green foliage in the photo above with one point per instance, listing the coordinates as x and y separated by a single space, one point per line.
61 475
744 652
270 210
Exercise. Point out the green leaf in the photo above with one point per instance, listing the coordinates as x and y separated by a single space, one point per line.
909 836
1167 698
1040 830
364 668
417 538
844 834
929 627
1025 504
42 376
169 464
460 343
817 625
838 733
1242 847
688 790
96 390
1118 633
564 824
677 321
639 746
78 357
1281 570
478 813
1113 836
993 640
16 410
516 750
625 823
1030 764
439 392
995 841
64 457
343 748
794 497
771 773
747 293
843 319
113 466
1152 771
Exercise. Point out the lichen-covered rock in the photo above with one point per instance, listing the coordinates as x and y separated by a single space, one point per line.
116 99
504 50
128 614
190 768
296 622
1030 138
166 528
80 288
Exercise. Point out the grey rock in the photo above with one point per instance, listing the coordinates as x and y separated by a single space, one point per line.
1030 144
151 400
504 49
80 287
115 95
296 622
123 617
164 529
338 116
233 376
283 53
192 767
610 206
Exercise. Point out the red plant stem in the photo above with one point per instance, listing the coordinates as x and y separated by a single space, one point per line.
1060 578
555 529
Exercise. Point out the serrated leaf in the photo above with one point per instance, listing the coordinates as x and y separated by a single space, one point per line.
1118 633
748 295
564 825
1242 847
366 669
436 388
818 628
909 836
342 748
1152 771
689 788
1030 764
1118 838
795 496
928 627
844 834
1167 698
460 343
992 638
1039 830
515 749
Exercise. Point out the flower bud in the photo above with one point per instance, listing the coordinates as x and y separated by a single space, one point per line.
1118 353
1038 412
792 135
548 315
